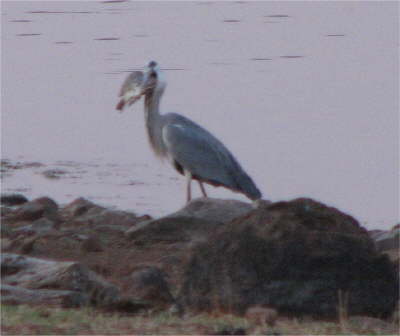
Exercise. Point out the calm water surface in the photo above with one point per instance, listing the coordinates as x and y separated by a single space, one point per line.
303 93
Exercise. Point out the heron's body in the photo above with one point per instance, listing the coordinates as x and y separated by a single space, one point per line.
192 150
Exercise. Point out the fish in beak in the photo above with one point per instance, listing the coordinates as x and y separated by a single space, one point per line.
131 90
139 83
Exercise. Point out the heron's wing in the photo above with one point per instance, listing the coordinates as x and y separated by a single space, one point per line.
204 156
199 152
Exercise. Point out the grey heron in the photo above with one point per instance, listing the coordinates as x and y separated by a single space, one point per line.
193 151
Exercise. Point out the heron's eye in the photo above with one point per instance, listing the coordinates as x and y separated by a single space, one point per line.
152 64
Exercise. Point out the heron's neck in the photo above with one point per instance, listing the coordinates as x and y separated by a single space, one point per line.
154 121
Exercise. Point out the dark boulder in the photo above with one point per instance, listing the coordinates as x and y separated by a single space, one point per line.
295 257
195 222
12 199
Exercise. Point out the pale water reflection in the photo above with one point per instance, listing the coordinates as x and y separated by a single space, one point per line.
305 94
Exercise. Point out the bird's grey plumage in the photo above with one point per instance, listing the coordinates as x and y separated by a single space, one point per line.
191 149
198 151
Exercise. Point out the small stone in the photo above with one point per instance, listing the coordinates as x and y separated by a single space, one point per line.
12 199
262 315
77 208
33 210
53 173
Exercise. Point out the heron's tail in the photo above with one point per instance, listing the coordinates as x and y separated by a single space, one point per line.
248 187
253 193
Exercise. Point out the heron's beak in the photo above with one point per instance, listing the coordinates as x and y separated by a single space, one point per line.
149 84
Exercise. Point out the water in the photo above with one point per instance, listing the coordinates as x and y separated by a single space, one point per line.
305 94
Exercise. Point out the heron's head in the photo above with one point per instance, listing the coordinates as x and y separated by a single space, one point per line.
139 83
154 78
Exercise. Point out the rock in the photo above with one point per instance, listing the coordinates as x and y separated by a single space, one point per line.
44 225
213 209
147 283
83 212
92 244
143 218
111 218
34 273
77 208
54 173
48 297
110 229
6 164
5 211
386 240
39 226
33 210
64 244
195 222
12 199
170 230
294 257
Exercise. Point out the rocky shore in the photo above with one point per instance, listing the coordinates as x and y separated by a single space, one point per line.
285 259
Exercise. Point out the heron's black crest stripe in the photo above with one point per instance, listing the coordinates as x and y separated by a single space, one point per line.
152 64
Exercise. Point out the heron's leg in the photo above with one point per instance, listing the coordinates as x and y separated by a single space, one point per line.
188 186
203 190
